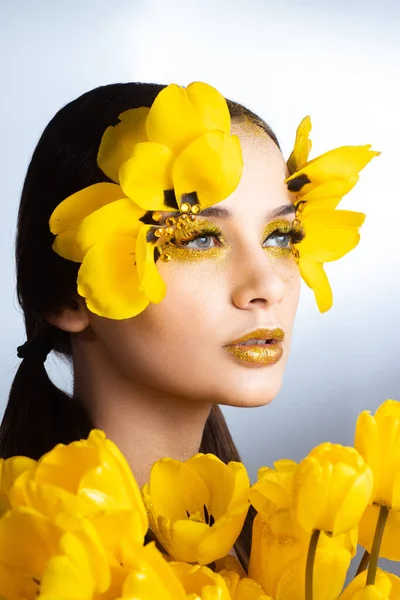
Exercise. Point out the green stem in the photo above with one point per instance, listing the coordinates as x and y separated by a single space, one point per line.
363 563
376 545
312 548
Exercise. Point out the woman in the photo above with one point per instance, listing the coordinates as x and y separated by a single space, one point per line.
221 332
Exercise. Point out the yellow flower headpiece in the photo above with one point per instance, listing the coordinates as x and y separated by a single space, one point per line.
318 186
168 163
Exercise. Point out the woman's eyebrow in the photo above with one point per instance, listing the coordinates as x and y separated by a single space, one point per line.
224 213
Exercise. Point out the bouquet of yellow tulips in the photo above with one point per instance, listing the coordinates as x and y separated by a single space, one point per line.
73 524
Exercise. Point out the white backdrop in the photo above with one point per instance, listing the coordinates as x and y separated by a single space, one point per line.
284 59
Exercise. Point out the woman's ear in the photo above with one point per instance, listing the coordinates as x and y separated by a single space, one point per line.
73 318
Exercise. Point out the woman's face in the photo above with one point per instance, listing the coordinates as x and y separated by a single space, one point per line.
219 290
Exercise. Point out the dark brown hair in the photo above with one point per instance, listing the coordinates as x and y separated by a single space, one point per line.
38 414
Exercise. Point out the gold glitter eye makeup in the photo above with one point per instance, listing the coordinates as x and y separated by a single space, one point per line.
197 235
196 240
280 236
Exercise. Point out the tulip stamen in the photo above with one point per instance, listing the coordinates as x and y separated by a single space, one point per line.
206 515
37 581
209 518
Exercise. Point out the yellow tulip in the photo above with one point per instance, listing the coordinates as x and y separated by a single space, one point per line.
181 145
90 479
377 438
186 129
278 563
381 590
329 235
197 508
39 559
332 489
279 544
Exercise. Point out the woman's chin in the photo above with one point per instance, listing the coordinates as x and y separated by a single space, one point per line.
251 393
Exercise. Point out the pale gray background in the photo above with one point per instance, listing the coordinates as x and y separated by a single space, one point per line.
338 62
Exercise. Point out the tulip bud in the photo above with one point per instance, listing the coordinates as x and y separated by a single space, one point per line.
332 488
377 438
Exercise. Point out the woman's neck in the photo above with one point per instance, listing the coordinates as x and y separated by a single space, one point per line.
145 423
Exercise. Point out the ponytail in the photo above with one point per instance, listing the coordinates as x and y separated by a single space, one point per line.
39 415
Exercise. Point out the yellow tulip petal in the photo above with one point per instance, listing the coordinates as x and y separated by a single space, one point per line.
179 115
243 589
10 470
315 277
73 209
27 541
221 537
357 588
311 492
201 581
267 496
274 487
98 439
120 217
79 569
66 246
329 234
271 555
59 466
230 563
151 577
118 142
150 280
302 146
147 174
186 490
333 189
354 503
366 442
390 547
347 481
109 281
211 166
329 574
340 163
228 485
395 589
185 538
389 408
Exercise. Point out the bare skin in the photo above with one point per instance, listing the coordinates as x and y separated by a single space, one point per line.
149 382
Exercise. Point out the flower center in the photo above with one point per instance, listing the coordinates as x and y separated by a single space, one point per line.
206 518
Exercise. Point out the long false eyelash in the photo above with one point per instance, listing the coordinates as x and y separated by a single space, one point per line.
295 231
182 238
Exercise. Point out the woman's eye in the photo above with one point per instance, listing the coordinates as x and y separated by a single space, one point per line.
204 241
278 239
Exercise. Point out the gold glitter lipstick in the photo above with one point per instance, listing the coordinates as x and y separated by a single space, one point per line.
260 347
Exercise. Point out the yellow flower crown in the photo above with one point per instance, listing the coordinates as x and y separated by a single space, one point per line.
171 161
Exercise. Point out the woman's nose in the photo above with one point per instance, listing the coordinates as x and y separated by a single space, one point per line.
258 282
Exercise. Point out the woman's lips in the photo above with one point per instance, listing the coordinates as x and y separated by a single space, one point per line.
266 349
